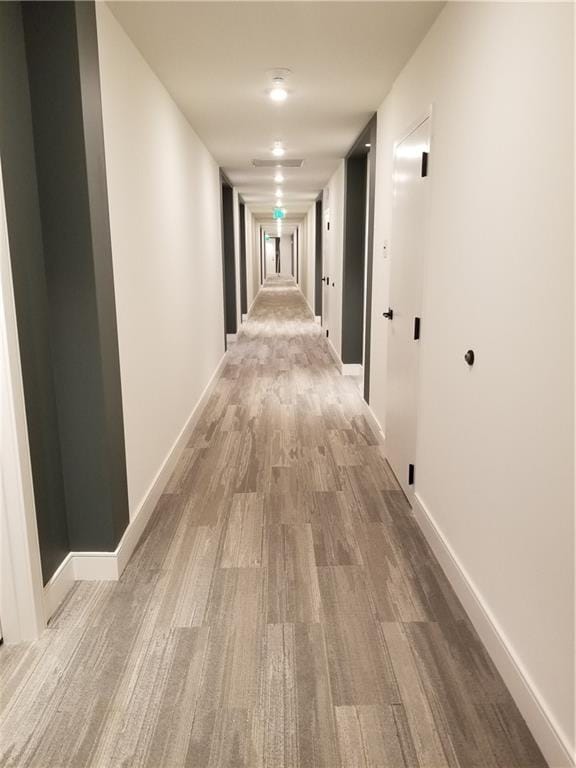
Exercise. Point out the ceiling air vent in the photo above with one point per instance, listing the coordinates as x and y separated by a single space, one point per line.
275 161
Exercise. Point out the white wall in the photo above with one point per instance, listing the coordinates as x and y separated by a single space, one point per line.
300 240
495 454
164 196
253 257
307 256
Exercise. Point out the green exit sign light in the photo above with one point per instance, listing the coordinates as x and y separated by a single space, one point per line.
278 213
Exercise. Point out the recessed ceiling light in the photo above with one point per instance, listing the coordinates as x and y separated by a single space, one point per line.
368 145
279 193
278 92
278 178
278 76
278 150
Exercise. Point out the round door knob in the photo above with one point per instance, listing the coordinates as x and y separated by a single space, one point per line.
469 357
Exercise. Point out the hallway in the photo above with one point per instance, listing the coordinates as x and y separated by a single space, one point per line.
282 608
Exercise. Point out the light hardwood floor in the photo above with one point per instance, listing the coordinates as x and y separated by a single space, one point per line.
281 610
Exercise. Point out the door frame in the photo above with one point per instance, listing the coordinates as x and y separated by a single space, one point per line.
428 114
21 585
228 258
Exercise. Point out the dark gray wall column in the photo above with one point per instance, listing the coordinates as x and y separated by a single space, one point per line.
318 282
243 286
229 259
372 137
30 293
62 52
358 247
57 209
354 261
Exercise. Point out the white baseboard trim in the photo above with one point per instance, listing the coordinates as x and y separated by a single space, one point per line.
352 369
108 566
308 304
548 734
345 370
251 307
58 587
375 423
96 566
335 355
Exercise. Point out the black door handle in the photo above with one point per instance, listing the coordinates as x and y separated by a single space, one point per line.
389 314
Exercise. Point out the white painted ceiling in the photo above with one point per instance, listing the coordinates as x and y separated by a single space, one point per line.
213 57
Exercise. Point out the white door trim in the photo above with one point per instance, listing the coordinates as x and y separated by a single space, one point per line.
21 589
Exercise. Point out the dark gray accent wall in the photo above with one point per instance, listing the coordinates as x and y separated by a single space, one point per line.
113 445
229 259
243 287
354 260
57 205
64 78
277 253
30 293
62 54
261 239
318 261
357 267
372 136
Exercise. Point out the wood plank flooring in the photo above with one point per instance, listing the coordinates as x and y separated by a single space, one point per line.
282 609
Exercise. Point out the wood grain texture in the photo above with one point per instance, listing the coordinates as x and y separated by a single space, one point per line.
372 736
282 609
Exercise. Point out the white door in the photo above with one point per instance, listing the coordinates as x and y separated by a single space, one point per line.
270 256
408 240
